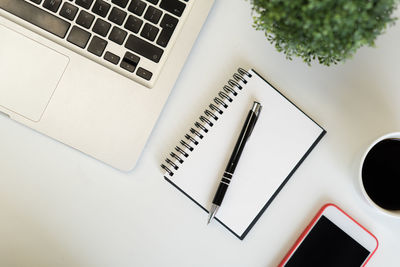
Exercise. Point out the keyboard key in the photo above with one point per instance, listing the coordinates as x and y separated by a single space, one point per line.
121 3
129 62
153 14
37 1
129 57
117 35
110 57
145 74
117 16
168 22
149 32
68 11
168 25
101 8
133 24
52 5
42 19
129 67
164 38
97 46
84 3
101 27
154 2
175 7
144 48
137 7
78 37
85 19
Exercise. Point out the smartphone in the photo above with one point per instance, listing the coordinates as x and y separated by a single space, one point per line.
332 238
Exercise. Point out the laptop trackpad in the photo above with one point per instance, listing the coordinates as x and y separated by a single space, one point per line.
29 74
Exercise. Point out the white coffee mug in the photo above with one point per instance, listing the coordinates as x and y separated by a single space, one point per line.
394 135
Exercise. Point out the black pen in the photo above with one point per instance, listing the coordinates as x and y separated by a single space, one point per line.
233 161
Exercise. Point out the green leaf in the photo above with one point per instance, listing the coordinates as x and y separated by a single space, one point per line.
326 31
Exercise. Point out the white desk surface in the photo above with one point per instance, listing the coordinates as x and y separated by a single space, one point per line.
61 208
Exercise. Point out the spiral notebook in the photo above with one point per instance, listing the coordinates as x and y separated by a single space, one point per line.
280 141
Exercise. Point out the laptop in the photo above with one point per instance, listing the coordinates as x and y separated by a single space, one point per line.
94 74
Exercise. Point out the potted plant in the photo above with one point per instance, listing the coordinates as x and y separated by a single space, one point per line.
329 31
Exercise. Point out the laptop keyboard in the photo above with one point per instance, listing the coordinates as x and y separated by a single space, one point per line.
132 37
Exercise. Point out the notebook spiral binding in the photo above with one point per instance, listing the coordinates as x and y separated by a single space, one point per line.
201 127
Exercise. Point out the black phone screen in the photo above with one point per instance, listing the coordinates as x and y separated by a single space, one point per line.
328 245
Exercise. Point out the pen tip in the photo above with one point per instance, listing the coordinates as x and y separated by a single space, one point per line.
212 213
210 217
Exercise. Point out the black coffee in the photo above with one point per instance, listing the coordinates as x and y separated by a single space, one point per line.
381 174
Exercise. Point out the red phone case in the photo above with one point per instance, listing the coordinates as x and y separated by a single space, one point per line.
314 220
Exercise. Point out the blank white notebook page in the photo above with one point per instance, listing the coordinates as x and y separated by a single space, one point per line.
281 137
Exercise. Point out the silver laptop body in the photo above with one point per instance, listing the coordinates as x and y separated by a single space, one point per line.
94 74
